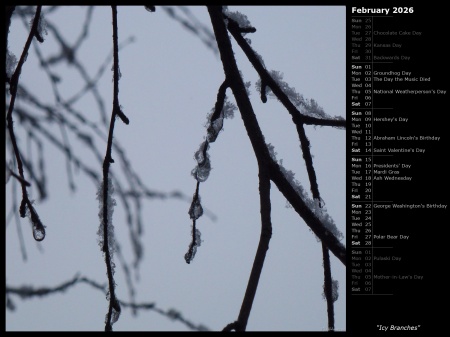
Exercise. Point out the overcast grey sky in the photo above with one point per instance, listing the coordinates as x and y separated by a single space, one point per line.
168 86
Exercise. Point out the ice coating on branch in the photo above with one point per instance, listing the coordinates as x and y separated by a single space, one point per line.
115 312
313 204
196 209
38 227
334 290
325 218
119 74
214 129
307 107
216 125
201 172
228 109
260 60
111 202
41 28
247 87
203 168
11 62
240 18
196 242
200 155
339 118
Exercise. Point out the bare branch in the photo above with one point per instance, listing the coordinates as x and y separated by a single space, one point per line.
38 227
257 138
26 292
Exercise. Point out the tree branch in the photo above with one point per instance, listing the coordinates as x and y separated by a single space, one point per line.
108 247
328 287
263 247
257 139
26 292
38 227
297 117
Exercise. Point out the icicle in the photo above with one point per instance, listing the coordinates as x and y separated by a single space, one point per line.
203 168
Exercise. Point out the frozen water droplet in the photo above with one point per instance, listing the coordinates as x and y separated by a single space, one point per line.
196 209
199 156
115 311
38 233
201 172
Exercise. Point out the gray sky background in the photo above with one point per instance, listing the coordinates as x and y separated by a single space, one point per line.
169 84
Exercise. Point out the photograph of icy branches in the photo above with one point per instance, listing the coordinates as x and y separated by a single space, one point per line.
175 168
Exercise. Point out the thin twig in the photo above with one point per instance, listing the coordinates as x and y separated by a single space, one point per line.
108 247
257 139
25 292
38 227
267 79
328 287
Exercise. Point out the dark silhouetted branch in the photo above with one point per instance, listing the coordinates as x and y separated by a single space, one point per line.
257 138
27 292
26 207
265 160
107 204
263 247
328 287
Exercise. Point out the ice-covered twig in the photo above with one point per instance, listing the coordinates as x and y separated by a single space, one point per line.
106 190
222 109
267 81
26 292
258 142
313 204
26 206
